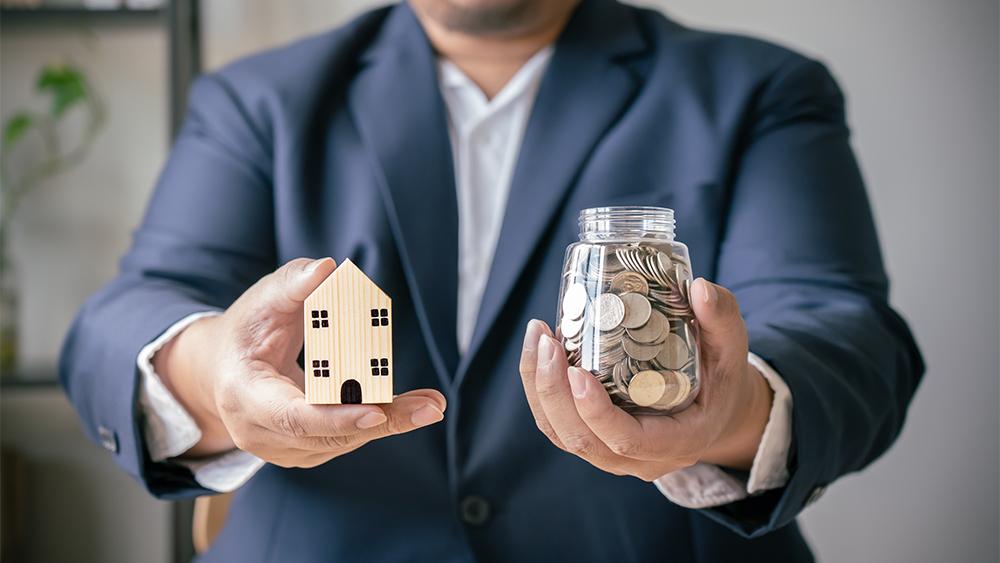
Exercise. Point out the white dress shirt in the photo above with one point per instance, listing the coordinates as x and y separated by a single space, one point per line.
485 136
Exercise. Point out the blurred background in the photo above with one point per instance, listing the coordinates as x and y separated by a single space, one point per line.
91 90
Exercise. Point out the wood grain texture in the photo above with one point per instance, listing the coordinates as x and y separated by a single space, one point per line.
344 349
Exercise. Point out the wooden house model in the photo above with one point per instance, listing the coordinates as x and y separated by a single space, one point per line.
348 340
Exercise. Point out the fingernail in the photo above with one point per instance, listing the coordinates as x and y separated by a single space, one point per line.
370 420
311 267
427 414
707 291
578 383
531 335
546 350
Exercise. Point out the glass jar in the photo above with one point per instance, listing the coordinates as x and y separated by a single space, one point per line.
624 313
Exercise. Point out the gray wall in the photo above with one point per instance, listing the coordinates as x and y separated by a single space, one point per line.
921 78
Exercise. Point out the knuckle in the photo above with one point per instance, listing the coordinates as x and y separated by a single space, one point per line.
285 420
579 444
336 442
395 425
624 447
546 388
547 430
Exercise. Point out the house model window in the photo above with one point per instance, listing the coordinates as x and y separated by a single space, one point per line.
380 366
320 318
348 340
320 368
380 317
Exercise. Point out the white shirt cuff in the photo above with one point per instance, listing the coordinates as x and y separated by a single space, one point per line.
170 431
705 485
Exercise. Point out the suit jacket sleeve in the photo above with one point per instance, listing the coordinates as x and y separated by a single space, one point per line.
208 235
799 251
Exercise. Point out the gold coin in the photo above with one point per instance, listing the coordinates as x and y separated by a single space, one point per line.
637 309
676 389
610 311
629 282
652 331
574 302
674 353
646 388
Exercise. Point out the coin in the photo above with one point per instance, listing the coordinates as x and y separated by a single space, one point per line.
571 328
611 263
572 345
676 389
629 282
573 357
652 331
610 311
646 388
618 375
637 351
574 302
674 352
637 310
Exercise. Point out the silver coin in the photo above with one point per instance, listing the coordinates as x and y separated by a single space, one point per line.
652 331
611 263
646 388
637 310
638 351
610 311
674 352
572 345
629 282
619 373
574 302
571 328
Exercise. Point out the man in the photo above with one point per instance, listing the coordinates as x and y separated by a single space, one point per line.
446 147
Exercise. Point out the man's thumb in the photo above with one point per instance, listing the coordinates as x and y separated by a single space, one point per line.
721 328
288 287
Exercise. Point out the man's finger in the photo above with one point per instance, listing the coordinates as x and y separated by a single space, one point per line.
285 289
529 361
406 413
556 400
721 330
619 431
278 405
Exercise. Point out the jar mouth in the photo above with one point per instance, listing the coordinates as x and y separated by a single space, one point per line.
627 221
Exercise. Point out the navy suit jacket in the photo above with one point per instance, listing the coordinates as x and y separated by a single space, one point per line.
337 146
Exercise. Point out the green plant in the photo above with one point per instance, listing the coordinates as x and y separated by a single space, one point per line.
68 88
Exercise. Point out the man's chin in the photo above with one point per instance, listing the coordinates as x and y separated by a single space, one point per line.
482 17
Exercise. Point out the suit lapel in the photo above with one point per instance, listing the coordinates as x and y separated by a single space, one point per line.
397 106
585 89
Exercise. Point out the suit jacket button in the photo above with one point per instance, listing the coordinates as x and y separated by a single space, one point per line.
474 510
109 439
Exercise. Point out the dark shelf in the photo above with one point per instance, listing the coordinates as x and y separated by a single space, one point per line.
79 16
30 378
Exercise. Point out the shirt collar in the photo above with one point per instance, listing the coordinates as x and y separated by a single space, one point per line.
452 78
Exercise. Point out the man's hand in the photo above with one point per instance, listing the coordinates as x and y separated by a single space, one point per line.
723 426
238 376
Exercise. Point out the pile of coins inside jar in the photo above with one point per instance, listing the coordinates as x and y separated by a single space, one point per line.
625 317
